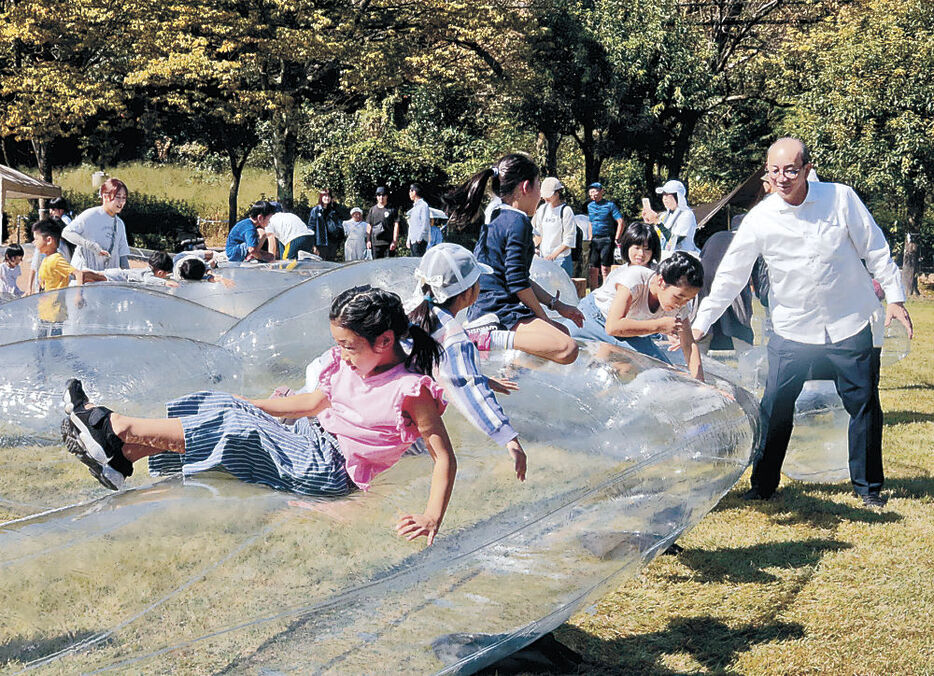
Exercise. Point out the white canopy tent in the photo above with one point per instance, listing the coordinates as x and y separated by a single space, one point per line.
17 185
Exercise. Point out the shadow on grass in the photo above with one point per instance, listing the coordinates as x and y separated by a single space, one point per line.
915 386
916 488
906 417
21 651
708 640
747 564
796 503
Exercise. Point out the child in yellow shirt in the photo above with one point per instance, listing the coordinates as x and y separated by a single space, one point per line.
54 273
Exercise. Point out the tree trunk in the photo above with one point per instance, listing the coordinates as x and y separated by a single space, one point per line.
6 157
285 150
236 173
916 202
41 149
910 264
689 120
552 141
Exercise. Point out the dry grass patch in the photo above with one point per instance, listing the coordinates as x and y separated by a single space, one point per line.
810 582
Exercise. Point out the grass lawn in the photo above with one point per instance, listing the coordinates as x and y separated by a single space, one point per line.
810 582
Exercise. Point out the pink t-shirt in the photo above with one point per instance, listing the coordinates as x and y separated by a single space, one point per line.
366 415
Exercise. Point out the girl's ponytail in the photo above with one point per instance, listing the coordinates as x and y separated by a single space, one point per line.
464 201
504 177
422 316
426 352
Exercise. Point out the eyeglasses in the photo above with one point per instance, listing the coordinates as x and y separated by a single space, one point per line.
788 172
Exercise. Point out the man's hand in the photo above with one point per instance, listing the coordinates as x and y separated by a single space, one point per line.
898 311
698 335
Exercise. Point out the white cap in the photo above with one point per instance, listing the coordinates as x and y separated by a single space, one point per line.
356 210
550 186
449 269
672 188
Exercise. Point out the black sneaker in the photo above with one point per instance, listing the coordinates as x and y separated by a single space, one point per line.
74 397
873 500
755 494
105 474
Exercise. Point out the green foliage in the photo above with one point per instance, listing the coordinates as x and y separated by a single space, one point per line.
864 100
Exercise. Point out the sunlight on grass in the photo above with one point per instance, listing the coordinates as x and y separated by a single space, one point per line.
810 582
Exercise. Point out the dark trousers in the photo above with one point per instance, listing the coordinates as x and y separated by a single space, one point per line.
853 365
418 248
382 251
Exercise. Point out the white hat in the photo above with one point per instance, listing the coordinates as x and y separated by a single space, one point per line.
550 186
672 188
449 269
356 210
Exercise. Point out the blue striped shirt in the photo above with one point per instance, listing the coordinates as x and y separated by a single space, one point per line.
468 389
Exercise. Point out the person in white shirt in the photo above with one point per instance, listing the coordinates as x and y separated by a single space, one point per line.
419 217
553 225
814 238
98 234
678 218
287 234
357 236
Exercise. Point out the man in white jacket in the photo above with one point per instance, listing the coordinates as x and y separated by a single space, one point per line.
815 238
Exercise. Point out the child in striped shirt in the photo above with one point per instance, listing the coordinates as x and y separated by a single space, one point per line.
448 282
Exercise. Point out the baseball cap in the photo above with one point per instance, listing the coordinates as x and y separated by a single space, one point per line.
672 188
550 186
595 184
381 191
449 269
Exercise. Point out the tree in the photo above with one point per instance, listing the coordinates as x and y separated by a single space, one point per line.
61 64
864 101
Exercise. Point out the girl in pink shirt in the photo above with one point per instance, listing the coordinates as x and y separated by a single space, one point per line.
373 400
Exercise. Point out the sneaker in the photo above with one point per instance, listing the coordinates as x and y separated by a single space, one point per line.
482 324
74 396
873 500
483 341
105 474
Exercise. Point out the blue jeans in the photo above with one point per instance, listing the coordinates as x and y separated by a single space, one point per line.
594 328
566 264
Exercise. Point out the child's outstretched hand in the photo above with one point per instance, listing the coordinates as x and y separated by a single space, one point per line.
570 312
503 386
518 456
412 526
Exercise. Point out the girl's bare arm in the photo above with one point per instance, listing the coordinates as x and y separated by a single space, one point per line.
295 406
621 326
423 410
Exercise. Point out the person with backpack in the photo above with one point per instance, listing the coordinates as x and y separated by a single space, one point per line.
553 225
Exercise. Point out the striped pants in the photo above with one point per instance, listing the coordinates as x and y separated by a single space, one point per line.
223 431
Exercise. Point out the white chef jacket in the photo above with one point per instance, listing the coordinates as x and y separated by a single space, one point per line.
820 289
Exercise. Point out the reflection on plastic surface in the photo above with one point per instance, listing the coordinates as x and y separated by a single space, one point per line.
817 451
281 337
136 373
105 308
211 575
552 277
252 286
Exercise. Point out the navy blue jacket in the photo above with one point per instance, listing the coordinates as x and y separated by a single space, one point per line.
506 246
